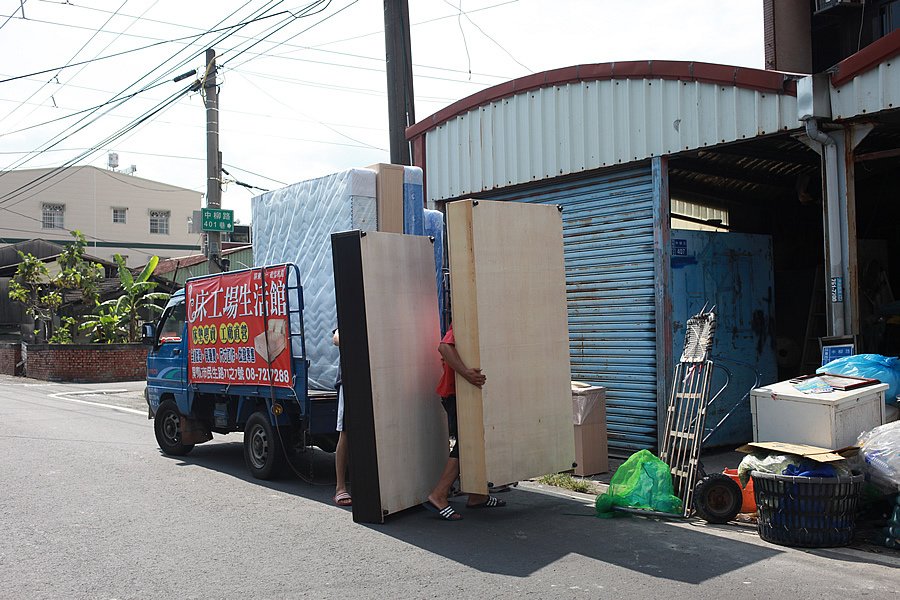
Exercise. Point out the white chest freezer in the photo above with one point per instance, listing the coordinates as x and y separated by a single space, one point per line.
833 420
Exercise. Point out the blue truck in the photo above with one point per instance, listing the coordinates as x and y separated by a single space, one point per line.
228 354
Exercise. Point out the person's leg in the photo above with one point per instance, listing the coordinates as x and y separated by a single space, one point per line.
341 456
340 463
438 496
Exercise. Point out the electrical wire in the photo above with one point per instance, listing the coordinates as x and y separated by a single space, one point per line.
77 52
297 48
332 129
381 31
129 96
159 42
307 11
252 173
22 6
83 67
463 13
57 139
5 198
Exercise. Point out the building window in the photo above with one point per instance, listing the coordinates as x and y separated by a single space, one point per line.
120 215
159 221
52 216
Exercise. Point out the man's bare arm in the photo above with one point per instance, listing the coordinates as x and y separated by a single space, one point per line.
452 358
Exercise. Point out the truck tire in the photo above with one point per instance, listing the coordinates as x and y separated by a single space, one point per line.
263 452
167 427
717 498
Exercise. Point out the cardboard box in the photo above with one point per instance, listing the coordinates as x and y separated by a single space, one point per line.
589 418
822 455
591 449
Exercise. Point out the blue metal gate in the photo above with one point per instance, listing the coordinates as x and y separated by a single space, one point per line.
611 229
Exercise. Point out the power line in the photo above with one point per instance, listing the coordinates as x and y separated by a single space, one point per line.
83 67
159 42
116 98
257 174
340 133
95 34
34 183
22 6
465 14
162 106
281 56
80 111
381 31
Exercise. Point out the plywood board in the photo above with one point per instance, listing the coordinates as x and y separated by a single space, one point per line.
507 279
389 196
390 367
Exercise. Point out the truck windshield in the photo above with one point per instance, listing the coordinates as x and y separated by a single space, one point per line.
172 324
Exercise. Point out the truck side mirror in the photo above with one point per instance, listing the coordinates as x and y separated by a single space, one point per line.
148 333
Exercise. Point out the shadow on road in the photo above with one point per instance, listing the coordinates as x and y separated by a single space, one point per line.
312 476
530 534
535 530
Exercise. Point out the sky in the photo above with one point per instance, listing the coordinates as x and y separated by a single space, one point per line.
303 86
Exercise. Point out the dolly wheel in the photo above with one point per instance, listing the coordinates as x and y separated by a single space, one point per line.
717 498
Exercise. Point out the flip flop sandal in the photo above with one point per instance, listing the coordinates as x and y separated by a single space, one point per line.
447 513
343 500
491 502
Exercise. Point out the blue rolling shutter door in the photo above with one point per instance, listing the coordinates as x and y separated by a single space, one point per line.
608 230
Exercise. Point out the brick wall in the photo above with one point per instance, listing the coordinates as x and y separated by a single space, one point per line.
10 355
87 363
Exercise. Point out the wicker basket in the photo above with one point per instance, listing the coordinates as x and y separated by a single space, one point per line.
812 512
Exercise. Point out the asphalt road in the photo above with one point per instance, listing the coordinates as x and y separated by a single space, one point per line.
89 508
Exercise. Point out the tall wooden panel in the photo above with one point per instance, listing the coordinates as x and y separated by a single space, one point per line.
508 290
389 196
386 306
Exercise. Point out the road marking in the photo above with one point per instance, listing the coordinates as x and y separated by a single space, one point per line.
63 396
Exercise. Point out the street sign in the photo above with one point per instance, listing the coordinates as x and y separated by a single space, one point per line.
217 219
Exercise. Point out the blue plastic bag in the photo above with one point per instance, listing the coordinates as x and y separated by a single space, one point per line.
885 369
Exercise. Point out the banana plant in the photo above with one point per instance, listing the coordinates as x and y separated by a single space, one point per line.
104 327
138 298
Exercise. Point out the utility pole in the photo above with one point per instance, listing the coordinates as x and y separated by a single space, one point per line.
401 107
213 158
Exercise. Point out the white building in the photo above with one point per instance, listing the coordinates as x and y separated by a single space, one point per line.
117 213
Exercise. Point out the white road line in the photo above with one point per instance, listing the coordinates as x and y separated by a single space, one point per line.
63 396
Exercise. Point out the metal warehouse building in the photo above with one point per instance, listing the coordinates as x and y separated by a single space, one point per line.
686 184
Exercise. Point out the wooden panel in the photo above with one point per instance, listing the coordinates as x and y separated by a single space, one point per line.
397 427
509 319
389 196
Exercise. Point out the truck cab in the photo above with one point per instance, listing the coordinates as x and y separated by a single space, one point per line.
217 368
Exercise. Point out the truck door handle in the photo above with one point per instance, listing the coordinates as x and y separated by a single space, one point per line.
176 351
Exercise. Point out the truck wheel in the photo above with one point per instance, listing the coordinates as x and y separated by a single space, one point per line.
167 426
262 447
717 498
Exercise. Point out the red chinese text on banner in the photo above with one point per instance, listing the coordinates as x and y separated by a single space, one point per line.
238 328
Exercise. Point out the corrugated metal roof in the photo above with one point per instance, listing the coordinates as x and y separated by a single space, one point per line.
585 124
870 91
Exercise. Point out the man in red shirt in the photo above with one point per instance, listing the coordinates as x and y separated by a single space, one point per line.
437 499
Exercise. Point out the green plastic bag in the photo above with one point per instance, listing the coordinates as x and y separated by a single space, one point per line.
643 481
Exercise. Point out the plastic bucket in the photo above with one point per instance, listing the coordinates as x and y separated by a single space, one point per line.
748 505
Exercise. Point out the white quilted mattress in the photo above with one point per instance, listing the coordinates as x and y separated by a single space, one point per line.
294 224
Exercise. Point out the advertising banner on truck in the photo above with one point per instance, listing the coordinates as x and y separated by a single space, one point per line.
238 328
